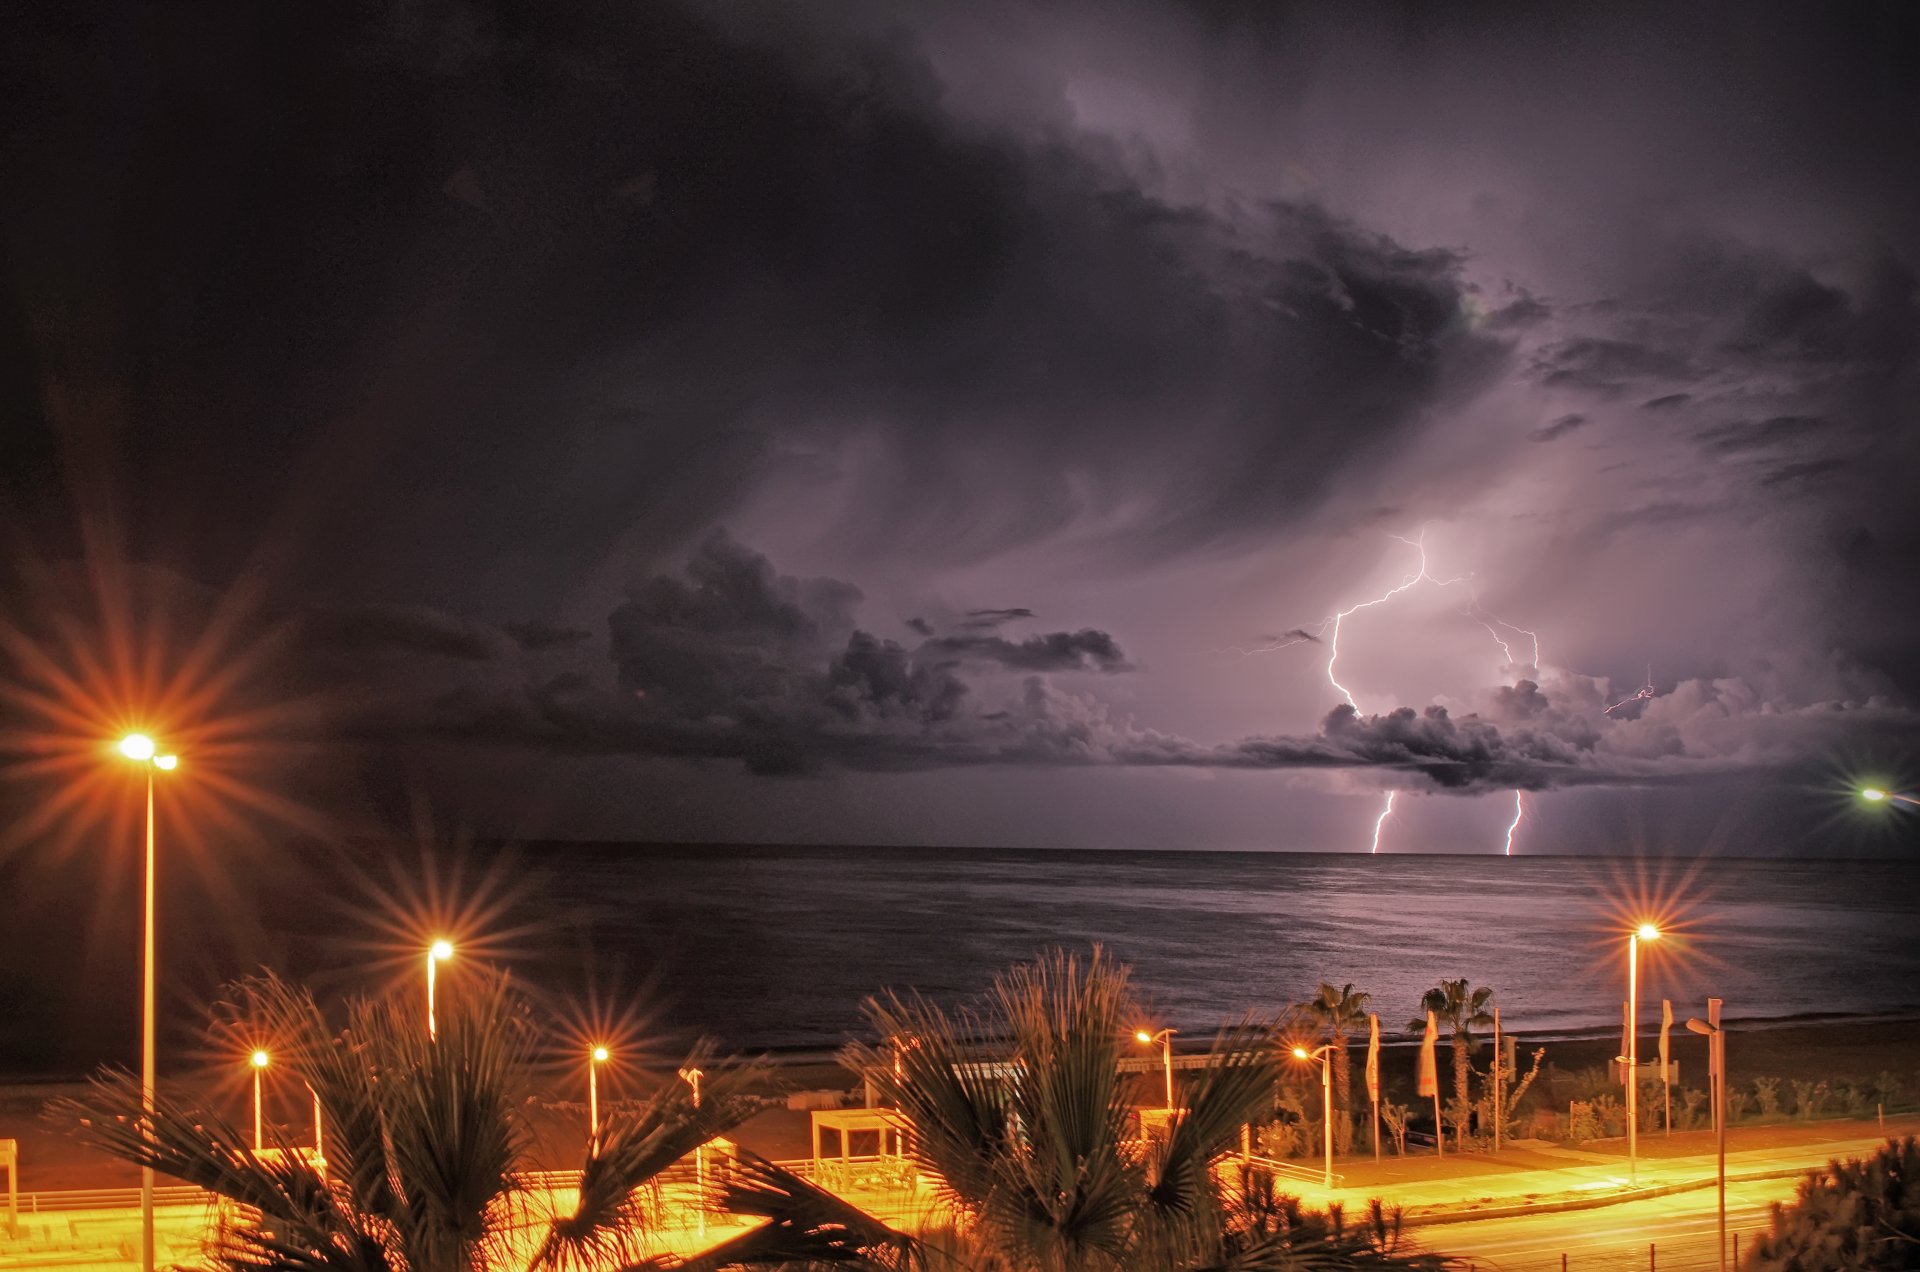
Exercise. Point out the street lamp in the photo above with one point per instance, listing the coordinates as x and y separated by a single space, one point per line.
1165 1039
141 749
1323 1056
595 1058
259 1061
1645 932
1717 1071
1879 795
437 953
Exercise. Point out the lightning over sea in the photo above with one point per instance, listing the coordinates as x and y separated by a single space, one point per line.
1328 630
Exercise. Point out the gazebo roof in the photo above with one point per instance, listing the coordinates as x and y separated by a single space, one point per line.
860 1119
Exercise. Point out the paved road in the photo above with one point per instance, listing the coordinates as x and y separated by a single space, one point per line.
1682 1228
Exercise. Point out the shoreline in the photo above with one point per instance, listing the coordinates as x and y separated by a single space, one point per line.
802 1057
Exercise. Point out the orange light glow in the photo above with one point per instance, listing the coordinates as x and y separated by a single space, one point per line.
137 746
1647 932
167 762
600 1055
1143 1036
1300 1053
441 950
259 1059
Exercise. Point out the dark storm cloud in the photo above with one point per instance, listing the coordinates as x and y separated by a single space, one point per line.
537 634
1085 650
403 629
987 619
1559 428
1607 367
733 661
1749 435
632 255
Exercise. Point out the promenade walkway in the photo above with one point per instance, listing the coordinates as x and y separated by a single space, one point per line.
1531 1193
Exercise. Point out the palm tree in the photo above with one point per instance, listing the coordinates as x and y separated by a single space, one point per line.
1462 1010
1020 1118
427 1142
1340 1011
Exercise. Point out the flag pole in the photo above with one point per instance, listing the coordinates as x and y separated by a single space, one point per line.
1373 1078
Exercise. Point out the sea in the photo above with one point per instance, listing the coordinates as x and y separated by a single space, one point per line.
780 947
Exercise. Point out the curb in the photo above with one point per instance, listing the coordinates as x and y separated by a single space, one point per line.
1591 1203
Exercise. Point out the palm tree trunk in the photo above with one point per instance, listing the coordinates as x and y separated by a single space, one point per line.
1460 1092
1342 1092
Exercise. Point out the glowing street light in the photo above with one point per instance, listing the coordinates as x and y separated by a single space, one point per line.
1645 932
1717 1073
1323 1056
259 1062
437 953
595 1058
1880 795
141 749
1165 1039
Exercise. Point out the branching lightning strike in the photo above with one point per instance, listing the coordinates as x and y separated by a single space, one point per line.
1329 629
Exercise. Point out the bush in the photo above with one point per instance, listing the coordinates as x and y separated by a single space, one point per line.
1766 1092
1854 1214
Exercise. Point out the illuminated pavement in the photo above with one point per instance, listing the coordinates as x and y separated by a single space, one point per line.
1596 1222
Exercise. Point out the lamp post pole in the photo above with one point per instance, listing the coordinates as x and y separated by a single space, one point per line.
1645 932
1717 1063
146 1040
259 1061
1165 1039
692 1078
140 748
437 953
1323 1056
595 1059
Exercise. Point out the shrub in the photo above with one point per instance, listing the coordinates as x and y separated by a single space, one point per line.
1853 1214
1766 1091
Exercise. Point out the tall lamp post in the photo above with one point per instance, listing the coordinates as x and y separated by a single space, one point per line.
1323 1056
595 1058
1717 1071
259 1062
437 953
1645 932
140 748
1165 1039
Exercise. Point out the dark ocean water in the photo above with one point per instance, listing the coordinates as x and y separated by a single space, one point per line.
777 947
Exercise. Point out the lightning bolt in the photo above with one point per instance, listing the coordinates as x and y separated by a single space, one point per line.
1330 628
1420 576
1643 694
1381 821
1519 813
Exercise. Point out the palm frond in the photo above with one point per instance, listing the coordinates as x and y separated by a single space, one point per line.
806 1227
946 1087
1234 1089
634 1148
447 1112
285 1194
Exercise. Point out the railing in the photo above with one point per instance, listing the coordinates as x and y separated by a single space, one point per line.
1288 1170
70 1199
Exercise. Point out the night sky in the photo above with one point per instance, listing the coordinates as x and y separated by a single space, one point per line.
959 424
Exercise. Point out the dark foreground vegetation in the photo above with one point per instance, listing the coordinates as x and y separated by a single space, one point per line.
1018 1115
